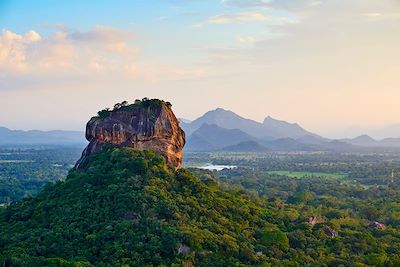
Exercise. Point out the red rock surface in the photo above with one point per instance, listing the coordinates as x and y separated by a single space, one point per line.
152 127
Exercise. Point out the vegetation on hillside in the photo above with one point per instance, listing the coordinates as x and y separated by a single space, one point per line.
130 209
24 171
125 106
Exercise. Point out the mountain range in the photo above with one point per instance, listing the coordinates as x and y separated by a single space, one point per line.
35 137
220 130
224 130
268 130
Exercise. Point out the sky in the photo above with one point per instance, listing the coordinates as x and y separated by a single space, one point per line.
333 66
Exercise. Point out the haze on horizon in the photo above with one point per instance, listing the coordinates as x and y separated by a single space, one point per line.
328 65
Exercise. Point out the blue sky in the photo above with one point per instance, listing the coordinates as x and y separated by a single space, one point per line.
284 58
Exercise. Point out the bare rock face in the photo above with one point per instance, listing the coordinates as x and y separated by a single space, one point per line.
377 225
330 232
147 124
313 220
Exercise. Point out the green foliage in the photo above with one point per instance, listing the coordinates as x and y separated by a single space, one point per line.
104 113
308 174
125 106
24 171
347 206
129 208
275 238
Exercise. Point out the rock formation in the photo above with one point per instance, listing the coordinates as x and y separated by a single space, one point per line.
313 220
377 225
330 232
147 124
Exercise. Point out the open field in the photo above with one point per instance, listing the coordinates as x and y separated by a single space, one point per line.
299 175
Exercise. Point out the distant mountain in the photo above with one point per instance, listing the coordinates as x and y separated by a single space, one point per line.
362 140
246 146
35 137
367 141
389 131
337 145
223 129
390 142
289 144
225 119
283 129
312 139
268 130
212 137
182 120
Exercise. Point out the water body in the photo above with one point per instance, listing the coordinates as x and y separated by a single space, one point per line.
213 167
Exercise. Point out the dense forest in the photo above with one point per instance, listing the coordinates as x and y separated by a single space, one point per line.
127 208
24 170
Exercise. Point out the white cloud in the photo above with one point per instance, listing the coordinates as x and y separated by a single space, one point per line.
247 17
13 49
246 3
75 54
62 51
376 16
283 4
247 40
237 18
32 36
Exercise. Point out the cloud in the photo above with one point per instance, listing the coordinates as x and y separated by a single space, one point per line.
95 54
282 4
13 50
247 3
237 18
246 17
376 16
63 51
333 44
247 40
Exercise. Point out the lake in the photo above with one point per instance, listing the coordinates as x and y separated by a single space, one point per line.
213 167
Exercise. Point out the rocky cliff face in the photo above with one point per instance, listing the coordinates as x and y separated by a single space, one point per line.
148 124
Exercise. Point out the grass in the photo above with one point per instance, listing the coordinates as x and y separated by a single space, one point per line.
300 175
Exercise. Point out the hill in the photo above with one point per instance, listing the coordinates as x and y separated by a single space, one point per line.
225 119
129 208
283 129
362 140
212 137
35 137
367 141
289 144
268 130
247 146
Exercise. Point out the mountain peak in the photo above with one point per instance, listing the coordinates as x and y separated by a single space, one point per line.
270 129
364 137
221 110
281 128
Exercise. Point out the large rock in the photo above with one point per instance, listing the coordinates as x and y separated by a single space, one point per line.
147 124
